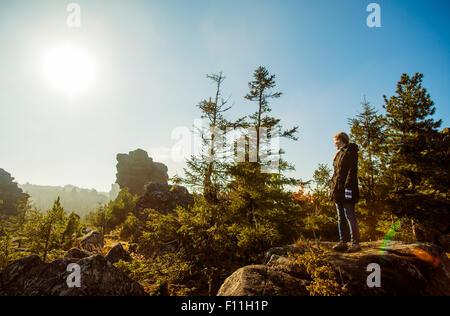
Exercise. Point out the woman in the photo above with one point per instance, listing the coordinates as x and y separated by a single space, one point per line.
345 193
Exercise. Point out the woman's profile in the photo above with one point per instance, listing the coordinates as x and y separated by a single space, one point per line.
344 192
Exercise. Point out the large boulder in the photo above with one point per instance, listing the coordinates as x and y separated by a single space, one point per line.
136 169
15 271
93 241
260 280
406 269
118 253
31 277
164 198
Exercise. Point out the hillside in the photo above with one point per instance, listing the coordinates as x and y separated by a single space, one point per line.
405 269
73 199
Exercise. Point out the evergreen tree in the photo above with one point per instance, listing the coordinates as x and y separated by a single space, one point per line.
71 231
367 130
269 214
110 216
206 248
324 218
205 170
5 250
119 209
419 157
261 92
45 231
251 212
100 218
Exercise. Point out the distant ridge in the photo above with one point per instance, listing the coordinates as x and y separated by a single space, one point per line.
74 199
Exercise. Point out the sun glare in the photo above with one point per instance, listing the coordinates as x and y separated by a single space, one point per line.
69 68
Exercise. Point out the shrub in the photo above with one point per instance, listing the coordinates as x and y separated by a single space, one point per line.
323 279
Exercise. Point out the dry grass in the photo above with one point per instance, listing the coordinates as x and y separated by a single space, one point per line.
111 241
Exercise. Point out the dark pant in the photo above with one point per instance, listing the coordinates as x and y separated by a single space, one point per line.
346 220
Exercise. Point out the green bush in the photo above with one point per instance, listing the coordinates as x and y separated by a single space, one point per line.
323 279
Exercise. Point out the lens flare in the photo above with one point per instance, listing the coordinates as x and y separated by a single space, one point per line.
427 257
390 234
416 253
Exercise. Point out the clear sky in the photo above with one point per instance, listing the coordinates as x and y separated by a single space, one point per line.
151 59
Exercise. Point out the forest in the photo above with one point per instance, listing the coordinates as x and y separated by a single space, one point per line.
187 234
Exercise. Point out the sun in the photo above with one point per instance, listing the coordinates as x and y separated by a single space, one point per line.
69 68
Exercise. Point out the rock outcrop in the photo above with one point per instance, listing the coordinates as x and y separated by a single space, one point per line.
406 269
30 276
136 169
164 198
10 194
76 253
261 280
118 253
93 241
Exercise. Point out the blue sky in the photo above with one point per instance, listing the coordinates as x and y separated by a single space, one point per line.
152 58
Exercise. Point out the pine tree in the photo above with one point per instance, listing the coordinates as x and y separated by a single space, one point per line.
415 144
118 210
261 92
71 231
247 212
19 221
45 231
367 130
205 170
325 216
100 218
5 250
269 214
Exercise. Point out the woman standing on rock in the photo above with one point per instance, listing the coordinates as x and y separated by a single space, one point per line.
345 193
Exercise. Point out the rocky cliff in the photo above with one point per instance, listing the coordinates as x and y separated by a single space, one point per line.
136 169
10 194
164 198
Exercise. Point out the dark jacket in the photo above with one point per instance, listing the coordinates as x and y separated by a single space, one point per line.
345 174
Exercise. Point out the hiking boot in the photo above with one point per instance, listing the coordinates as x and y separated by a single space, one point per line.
354 248
342 246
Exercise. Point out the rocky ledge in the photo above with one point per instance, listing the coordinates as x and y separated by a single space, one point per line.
417 269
